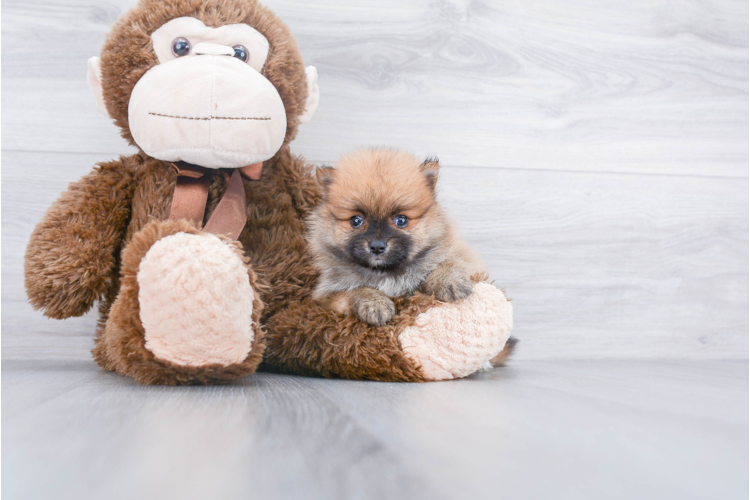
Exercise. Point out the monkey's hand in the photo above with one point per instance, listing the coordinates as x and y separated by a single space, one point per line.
448 283
71 258
372 306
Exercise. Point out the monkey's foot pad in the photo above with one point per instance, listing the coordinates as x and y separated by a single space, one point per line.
196 301
456 339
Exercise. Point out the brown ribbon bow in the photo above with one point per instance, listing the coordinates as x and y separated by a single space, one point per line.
191 196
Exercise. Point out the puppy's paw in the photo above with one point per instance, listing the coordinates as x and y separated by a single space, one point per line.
452 291
448 284
373 307
376 312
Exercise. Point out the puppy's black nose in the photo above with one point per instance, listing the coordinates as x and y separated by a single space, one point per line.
377 247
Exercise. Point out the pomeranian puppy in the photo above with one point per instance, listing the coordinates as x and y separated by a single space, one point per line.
380 234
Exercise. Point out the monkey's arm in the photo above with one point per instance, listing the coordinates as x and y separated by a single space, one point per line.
71 257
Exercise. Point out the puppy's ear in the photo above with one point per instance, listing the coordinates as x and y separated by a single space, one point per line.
324 173
430 168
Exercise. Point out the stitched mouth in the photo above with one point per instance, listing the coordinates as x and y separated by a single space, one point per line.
212 117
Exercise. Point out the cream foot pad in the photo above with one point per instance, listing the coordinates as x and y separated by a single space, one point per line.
457 339
196 301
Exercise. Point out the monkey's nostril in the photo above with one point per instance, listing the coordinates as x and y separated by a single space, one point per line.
377 247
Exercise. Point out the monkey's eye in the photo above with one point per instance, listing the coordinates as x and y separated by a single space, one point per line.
180 47
357 221
240 52
401 221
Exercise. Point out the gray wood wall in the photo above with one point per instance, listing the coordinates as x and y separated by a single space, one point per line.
594 151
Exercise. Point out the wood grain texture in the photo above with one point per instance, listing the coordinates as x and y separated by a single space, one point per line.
564 430
597 265
595 152
645 86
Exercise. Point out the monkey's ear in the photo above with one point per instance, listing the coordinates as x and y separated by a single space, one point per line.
313 94
94 78
430 168
325 173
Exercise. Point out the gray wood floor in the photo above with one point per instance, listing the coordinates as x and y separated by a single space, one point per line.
535 429
596 154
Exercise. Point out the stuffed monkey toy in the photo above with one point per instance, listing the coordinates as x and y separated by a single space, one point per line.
195 246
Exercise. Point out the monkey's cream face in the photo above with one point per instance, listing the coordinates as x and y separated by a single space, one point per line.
203 103
207 102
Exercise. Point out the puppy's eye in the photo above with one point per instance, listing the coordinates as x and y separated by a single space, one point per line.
401 221
357 221
180 47
240 52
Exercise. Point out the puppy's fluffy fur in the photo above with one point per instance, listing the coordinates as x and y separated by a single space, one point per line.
380 234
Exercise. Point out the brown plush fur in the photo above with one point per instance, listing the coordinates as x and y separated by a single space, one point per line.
89 245
139 189
73 255
508 349
321 342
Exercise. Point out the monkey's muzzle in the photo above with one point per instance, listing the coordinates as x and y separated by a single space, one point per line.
208 110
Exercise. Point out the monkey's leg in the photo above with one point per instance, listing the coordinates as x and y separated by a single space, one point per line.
426 340
187 311
458 338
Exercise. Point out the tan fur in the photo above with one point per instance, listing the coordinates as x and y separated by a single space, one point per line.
384 183
382 180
